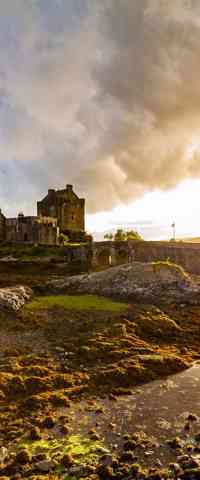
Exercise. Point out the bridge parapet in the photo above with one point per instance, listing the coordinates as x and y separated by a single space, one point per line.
112 253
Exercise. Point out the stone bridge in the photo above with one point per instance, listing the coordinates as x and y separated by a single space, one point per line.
109 253
105 254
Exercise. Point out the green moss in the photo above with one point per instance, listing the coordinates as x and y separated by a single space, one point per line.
158 264
81 449
75 302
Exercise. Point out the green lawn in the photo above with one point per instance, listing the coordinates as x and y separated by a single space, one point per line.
76 302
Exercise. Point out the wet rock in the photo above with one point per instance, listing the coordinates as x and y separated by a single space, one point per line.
187 427
192 417
175 467
107 460
39 457
49 422
105 472
67 460
127 457
192 474
135 468
130 445
64 429
81 470
45 466
196 449
35 434
175 443
23 457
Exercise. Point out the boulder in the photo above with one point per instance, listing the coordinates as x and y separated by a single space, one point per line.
14 298
146 282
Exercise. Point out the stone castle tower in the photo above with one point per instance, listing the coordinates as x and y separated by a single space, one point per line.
67 207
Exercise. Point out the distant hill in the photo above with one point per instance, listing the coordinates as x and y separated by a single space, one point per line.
190 240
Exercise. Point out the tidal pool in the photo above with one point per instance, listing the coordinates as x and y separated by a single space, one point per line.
158 411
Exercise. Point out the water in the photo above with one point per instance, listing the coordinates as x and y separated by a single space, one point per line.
158 409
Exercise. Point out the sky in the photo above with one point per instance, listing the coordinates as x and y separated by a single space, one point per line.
104 95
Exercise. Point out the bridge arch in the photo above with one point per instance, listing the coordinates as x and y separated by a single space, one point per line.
104 258
122 256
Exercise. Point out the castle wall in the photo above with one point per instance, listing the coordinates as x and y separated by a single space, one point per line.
32 230
2 227
66 207
47 231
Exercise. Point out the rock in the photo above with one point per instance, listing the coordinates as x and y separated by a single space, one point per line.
23 457
67 460
49 422
45 466
137 281
107 459
192 417
189 463
104 472
130 445
65 429
127 457
3 454
192 474
197 437
135 468
175 467
175 443
59 349
14 298
35 434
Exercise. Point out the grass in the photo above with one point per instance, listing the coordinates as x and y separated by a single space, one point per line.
22 251
76 302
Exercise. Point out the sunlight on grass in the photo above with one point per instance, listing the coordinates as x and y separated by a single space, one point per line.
73 302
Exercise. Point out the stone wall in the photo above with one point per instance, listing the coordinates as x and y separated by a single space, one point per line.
116 253
185 254
32 230
2 227
66 207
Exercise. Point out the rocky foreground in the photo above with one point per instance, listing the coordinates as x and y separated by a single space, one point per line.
53 356
157 282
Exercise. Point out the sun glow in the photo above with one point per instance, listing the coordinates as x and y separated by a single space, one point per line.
153 215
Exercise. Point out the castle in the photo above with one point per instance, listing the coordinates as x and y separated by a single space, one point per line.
59 212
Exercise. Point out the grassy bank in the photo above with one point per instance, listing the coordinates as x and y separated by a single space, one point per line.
76 302
26 251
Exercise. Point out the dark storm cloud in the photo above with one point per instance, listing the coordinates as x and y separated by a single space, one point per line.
103 94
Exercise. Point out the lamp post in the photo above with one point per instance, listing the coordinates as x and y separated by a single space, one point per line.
174 231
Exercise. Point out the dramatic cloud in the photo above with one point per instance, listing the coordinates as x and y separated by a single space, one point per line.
102 94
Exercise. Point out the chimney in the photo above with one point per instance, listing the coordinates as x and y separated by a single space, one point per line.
69 188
